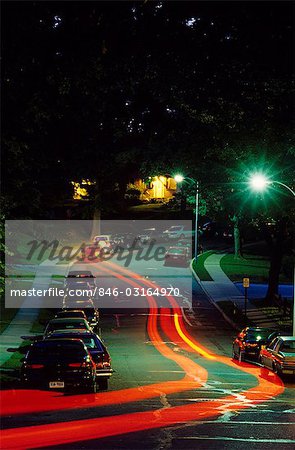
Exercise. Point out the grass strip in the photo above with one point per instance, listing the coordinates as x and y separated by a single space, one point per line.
199 267
254 267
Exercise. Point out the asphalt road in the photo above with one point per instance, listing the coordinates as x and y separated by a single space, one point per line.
175 385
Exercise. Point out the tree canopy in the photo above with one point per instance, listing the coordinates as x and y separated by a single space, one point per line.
113 90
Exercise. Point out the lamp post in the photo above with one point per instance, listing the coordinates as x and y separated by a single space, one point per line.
259 182
179 179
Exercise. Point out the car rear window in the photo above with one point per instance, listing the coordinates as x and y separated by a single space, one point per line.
53 349
66 325
176 251
70 314
258 335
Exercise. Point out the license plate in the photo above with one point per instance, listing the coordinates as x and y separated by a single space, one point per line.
56 384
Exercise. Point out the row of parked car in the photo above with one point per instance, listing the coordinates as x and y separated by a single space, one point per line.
267 347
69 355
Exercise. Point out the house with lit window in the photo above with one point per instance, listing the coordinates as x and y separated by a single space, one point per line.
159 187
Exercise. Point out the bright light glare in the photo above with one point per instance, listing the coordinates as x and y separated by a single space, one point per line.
259 182
178 178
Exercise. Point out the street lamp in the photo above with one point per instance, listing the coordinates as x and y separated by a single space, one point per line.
259 182
179 179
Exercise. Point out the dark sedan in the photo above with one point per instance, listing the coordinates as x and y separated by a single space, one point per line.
91 313
177 255
80 279
97 350
59 364
249 342
65 324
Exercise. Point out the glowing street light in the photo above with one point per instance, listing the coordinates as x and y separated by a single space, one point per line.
179 179
259 182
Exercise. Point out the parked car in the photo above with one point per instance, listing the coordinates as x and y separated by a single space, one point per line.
87 306
66 324
177 255
59 364
249 342
147 236
177 232
103 241
97 350
279 355
79 278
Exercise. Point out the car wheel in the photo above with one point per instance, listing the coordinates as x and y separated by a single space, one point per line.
92 388
103 384
260 360
276 369
241 355
234 355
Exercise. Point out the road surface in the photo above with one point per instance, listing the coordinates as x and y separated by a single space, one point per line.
175 386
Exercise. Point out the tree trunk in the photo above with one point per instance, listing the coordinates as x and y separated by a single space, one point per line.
95 223
237 236
278 245
183 204
96 213
237 239
274 273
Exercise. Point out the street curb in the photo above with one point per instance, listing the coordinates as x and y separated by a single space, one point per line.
233 324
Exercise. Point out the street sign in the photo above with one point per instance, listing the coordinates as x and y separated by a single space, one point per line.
246 282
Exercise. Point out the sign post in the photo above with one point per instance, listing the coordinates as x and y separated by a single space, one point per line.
246 284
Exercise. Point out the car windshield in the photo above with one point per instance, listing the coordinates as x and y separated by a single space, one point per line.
288 347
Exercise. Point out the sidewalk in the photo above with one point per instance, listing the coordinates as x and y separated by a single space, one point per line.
28 314
223 289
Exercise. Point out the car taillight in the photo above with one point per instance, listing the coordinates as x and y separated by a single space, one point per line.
106 357
35 366
106 360
76 365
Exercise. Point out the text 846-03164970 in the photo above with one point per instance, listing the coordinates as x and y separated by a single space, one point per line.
139 292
